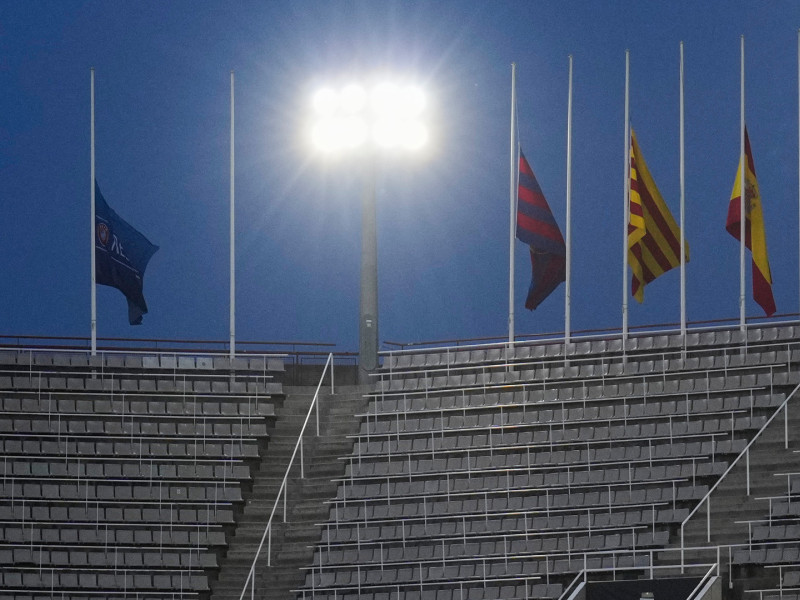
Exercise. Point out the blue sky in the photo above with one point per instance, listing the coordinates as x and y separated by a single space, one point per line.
162 114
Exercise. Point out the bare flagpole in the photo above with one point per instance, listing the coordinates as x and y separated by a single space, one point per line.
512 203
91 169
233 244
568 267
626 202
798 132
683 199
742 193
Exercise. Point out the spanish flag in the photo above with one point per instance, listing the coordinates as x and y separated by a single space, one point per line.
653 236
754 237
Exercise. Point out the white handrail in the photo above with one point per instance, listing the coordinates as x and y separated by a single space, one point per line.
282 490
744 452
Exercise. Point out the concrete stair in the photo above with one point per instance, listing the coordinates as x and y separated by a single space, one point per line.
732 507
292 542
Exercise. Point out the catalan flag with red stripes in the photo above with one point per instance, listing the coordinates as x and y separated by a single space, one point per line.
537 228
653 236
755 238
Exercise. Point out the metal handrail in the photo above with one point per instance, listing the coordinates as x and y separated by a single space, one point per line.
597 333
267 535
745 452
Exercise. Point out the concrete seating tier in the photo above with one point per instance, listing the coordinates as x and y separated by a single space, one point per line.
474 466
121 474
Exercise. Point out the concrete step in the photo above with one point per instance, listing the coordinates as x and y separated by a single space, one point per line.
291 543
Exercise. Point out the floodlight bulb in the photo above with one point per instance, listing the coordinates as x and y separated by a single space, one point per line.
384 98
325 135
413 101
386 133
353 131
415 135
325 102
353 98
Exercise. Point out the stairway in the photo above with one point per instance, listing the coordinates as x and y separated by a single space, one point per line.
291 542
732 507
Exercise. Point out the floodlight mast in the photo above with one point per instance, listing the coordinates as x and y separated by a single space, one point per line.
383 118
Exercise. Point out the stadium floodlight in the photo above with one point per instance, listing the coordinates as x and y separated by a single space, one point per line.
368 119
384 116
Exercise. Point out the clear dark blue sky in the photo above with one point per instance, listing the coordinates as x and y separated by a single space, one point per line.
162 93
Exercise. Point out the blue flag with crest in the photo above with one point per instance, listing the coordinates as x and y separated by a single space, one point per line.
121 256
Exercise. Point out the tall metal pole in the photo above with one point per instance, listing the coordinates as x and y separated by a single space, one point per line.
233 245
683 197
798 143
91 187
626 202
568 266
512 203
742 194
368 313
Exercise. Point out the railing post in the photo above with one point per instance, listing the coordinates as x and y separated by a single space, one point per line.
786 427
285 493
747 468
708 519
330 357
302 466
269 553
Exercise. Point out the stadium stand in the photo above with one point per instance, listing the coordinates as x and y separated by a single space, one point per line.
122 473
488 473
469 473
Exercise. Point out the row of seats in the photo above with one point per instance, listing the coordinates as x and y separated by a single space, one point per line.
692 447
148 385
115 557
496 523
557 433
577 475
75 446
127 426
594 369
789 553
138 362
470 481
121 405
506 567
588 453
58 468
582 347
551 541
491 590
115 535
571 388
51 579
100 513
578 409
122 491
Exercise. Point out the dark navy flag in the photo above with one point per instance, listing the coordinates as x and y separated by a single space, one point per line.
121 256
537 228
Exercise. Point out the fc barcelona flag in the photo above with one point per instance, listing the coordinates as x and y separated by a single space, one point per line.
121 256
537 228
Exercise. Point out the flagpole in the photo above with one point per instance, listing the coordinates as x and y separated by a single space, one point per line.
626 203
742 194
683 201
92 218
233 244
512 204
568 266
798 138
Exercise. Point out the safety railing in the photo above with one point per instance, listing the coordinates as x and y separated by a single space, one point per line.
706 500
283 490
